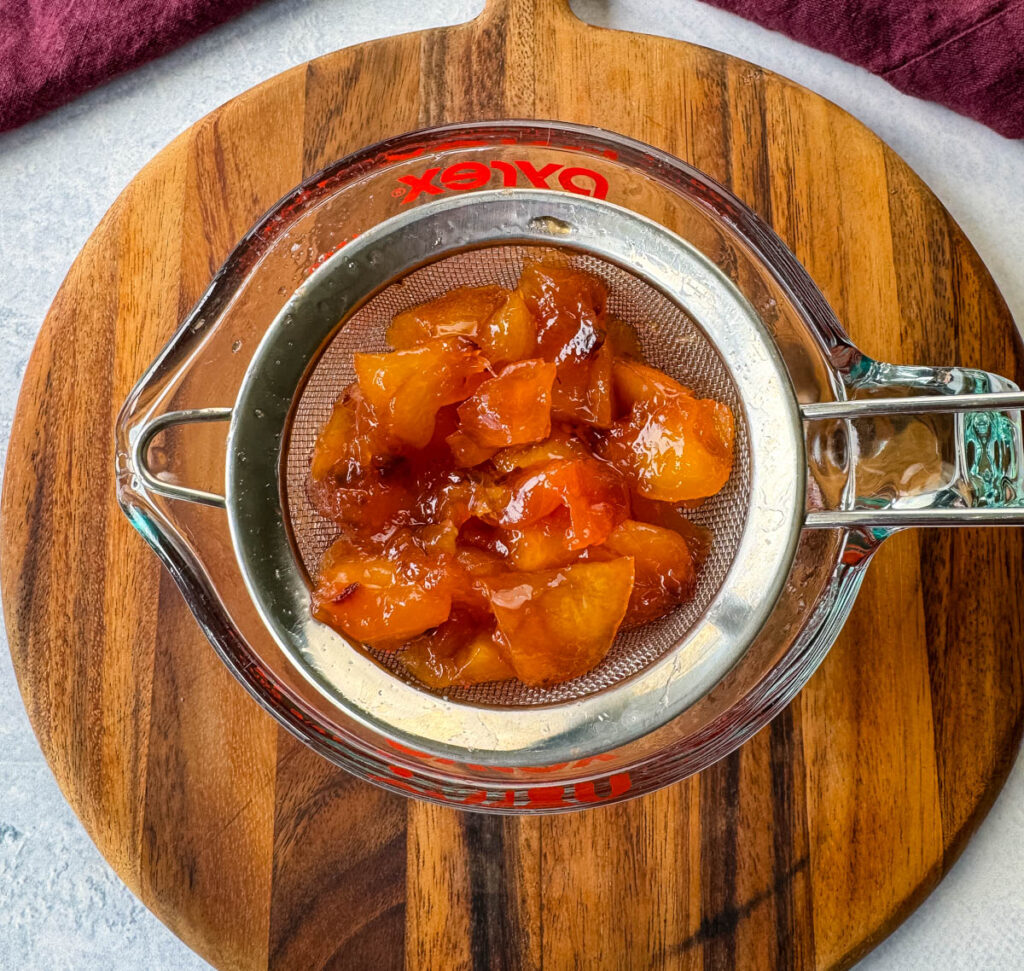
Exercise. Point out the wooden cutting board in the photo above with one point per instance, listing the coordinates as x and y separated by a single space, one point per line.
803 849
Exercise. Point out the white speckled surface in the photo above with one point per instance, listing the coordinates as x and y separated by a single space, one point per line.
61 907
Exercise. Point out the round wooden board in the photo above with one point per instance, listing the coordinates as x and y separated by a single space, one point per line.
803 849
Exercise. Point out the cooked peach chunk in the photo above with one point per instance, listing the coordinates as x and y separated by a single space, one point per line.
583 389
458 653
562 444
407 388
432 465
591 491
481 661
664 571
435 452
464 568
541 545
471 564
460 312
637 383
672 446
450 500
597 500
510 333
668 516
496 320
438 537
535 492
478 558
512 408
350 442
467 451
373 500
375 599
675 451
568 306
558 624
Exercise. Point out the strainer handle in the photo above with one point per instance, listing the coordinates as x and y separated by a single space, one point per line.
1006 513
140 454
925 404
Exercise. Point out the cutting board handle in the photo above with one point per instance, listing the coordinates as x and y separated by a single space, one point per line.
535 12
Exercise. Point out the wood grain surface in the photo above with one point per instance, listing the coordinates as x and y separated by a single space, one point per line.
802 850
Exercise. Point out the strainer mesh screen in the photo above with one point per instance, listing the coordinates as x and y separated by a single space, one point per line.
670 341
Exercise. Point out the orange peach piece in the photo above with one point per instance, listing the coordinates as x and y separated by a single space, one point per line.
675 451
541 545
368 598
528 495
438 537
373 500
664 571
559 624
583 389
462 311
406 389
561 445
456 655
591 491
510 333
568 306
512 408
672 446
597 500
471 564
637 383
482 661
467 451
350 441
668 516
479 561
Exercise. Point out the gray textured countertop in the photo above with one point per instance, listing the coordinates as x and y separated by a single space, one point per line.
61 907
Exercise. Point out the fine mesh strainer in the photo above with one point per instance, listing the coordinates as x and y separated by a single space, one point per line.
305 359
669 340
718 301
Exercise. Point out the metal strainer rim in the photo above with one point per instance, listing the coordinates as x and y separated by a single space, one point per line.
543 733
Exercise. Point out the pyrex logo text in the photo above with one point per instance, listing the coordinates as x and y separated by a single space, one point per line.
463 176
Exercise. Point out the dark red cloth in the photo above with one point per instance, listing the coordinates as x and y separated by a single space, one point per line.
53 50
965 54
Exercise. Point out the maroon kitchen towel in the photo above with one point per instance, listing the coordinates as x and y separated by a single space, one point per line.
53 50
965 54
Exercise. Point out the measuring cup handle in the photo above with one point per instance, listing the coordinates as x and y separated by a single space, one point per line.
987 459
140 454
